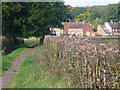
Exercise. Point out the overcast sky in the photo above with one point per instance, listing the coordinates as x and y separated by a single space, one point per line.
89 2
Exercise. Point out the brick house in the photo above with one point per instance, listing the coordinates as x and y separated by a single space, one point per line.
75 28
109 28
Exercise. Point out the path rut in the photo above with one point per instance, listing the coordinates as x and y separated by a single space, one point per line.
6 77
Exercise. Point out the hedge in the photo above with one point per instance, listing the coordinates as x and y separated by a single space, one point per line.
83 63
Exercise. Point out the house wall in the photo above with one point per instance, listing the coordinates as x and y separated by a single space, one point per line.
76 32
108 26
100 31
115 31
57 32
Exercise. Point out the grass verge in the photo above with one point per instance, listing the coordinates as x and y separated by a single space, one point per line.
7 59
31 75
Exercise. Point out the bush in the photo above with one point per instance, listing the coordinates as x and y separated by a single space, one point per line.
8 45
83 63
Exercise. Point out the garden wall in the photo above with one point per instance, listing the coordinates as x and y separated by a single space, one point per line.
83 63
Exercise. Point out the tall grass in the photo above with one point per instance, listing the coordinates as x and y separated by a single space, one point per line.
31 75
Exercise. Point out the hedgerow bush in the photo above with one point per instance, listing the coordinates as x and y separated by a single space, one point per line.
83 63
8 45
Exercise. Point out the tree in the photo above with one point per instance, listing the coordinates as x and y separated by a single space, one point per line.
98 10
112 13
87 17
97 22
32 19
49 15
75 11
14 19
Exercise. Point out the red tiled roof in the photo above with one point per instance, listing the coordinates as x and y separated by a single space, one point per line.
87 27
76 25
103 26
66 25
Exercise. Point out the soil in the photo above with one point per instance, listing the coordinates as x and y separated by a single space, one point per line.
6 77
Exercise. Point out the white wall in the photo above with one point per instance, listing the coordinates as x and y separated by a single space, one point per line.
108 26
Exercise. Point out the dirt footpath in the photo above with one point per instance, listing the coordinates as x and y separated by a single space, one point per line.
6 77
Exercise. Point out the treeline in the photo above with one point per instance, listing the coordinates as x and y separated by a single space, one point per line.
96 14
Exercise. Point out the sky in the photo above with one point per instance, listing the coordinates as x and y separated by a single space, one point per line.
83 3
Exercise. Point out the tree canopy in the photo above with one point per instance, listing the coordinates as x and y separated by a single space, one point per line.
32 18
112 13
86 16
